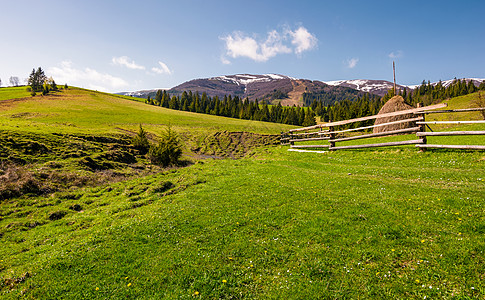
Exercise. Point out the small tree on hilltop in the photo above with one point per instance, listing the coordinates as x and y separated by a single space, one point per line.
52 84
37 79
168 150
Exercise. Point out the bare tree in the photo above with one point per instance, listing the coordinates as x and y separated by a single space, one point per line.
14 81
0 82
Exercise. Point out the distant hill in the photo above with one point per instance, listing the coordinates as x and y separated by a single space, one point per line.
271 87
281 88
376 87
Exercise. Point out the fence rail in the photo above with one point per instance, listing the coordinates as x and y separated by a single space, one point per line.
333 135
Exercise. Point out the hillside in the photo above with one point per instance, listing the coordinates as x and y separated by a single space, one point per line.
85 216
83 111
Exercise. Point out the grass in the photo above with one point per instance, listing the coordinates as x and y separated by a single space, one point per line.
81 111
373 224
282 225
8 93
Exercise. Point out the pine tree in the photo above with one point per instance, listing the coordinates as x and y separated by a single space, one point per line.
309 118
37 79
158 98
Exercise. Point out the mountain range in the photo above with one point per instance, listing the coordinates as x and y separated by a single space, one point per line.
280 88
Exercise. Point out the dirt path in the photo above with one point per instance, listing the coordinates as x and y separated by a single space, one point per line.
294 97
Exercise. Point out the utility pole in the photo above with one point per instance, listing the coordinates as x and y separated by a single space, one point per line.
394 71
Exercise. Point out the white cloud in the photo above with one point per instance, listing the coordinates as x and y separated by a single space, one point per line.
352 62
239 44
126 62
303 40
87 78
163 69
225 61
397 54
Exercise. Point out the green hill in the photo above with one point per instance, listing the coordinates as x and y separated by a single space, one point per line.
369 224
84 111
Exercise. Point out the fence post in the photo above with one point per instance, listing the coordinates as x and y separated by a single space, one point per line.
332 136
422 128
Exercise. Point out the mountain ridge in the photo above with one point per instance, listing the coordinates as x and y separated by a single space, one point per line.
287 90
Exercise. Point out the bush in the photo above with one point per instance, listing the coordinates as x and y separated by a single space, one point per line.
140 141
167 151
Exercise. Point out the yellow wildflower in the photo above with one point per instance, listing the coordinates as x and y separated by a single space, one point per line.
224 281
129 284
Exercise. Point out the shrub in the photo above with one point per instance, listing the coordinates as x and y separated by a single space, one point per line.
167 151
140 141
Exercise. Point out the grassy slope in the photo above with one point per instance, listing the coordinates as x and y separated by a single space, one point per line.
388 223
81 111
7 93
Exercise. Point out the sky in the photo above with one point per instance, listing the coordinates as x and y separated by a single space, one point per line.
120 45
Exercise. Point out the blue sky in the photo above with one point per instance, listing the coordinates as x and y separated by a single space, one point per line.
132 45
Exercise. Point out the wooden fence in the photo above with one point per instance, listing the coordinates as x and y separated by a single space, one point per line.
328 132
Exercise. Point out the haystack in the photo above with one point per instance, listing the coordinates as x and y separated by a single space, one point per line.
396 103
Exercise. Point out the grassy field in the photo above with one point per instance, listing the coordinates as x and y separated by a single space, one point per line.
82 111
13 93
361 224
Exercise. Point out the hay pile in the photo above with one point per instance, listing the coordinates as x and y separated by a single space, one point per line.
396 103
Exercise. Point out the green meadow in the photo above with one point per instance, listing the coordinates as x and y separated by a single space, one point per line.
13 93
387 223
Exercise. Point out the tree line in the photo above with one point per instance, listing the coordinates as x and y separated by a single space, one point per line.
428 93
366 105
234 107
316 104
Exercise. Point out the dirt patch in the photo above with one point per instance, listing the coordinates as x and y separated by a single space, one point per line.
8 104
11 283
295 96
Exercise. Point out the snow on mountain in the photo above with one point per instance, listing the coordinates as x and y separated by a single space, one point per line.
245 79
447 83
140 94
262 86
378 87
